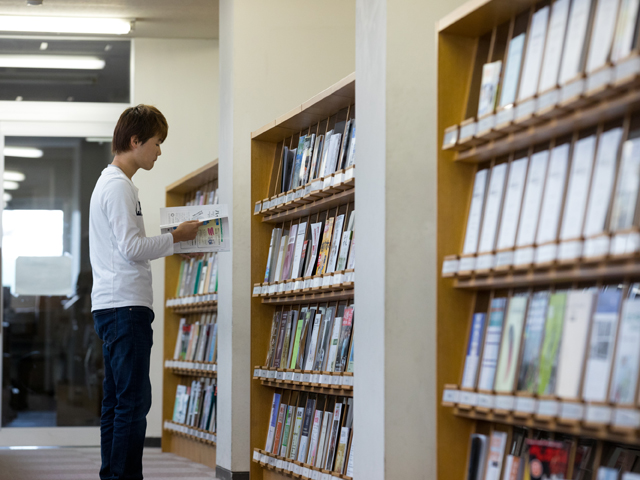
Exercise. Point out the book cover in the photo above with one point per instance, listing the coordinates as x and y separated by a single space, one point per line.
315 239
512 71
344 251
307 338
207 278
296 342
553 194
602 33
345 340
297 254
180 391
512 203
277 438
180 276
575 331
306 325
510 346
623 41
351 262
497 446
295 174
491 213
286 173
343 440
624 204
533 334
533 54
547 373
333 437
492 344
324 340
315 435
475 213
335 244
603 336
281 334
309 412
275 407
489 87
332 154
553 45
325 154
606 473
546 460
281 254
214 350
306 158
351 154
477 456
203 275
330 363
286 346
176 352
342 155
317 158
574 45
324 434
288 259
297 426
274 247
313 344
350 363
513 468
286 433
625 367
473 351
324 248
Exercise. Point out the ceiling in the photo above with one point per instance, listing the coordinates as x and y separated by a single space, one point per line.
154 18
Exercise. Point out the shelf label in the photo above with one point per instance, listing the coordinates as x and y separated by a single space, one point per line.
450 138
504 259
289 198
280 375
307 283
524 256
349 277
598 414
505 402
548 100
572 90
315 378
599 79
289 287
448 396
327 280
281 287
485 124
288 376
300 193
315 475
633 242
485 262
273 289
570 250
546 253
326 379
317 185
596 247
468 398
349 173
337 279
307 189
258 207
279 463
626 417
317 282
548 408
297 377
291 466
306 377
298 285
306 472
337 178
504 117
450 266
327 182
297 469
525 404
273 461
468 131
485 400
627 68
618 244
467 264
572 411
265 289
347 380
525 109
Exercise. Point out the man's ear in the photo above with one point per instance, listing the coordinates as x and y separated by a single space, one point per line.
133 142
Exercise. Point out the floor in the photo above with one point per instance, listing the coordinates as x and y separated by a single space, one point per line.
84 463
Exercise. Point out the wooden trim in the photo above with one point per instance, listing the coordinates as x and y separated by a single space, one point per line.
340 391
195 179
477 17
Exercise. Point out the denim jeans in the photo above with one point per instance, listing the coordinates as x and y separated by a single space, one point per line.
127 339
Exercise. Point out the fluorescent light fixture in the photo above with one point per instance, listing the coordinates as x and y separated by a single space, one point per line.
99 139
52 61
93 26
7 197
13 176
44 46
22 152
10 185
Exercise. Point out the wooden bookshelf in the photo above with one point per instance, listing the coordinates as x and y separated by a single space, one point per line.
185 445
473 35
271 207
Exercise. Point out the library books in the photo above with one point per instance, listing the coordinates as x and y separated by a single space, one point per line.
553 46
198 275
624 378
313 429
491 348
510 347
533 55
195 405
197 339
489 87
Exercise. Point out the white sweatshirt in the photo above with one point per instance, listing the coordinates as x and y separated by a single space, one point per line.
118 246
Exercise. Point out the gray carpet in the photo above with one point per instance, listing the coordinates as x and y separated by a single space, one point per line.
84 464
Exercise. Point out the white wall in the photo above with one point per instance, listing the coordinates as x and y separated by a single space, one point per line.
180 77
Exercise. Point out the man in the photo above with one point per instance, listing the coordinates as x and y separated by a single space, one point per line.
122 298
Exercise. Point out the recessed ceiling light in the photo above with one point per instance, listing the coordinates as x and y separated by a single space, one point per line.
7 197
107 48
103 26
11 185
44 46
13 176
34 3
19 98
23 152
98 139
51 61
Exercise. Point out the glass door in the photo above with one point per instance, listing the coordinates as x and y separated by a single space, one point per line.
51 357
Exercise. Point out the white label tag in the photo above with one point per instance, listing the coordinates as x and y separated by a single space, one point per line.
317 185
467 264
279 463
349 277
546 253
288 376
524 256
633 243
599 79
306 377
273 289
450 266
297 377
280 375
572 90
548 408
525 109
306 472
525 404
281 287
504 259
308 283
468 131
618 244
338 178
349 174
290 196
297 469
549 99
627 69
327 280
504 117
298 285
485 400
598 414
450 138
327 182
300 193
486 124
505 402
315 378
317 282
272 374
626 417
485 262
347 381
571 411
570 250
273 461
449 396
596 247
337 279
468 398
326 380
307 189
315 475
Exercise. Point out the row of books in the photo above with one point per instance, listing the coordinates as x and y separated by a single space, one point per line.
556 46
197 340
537 455
312 338
303 249
198 275
318 155
206 195
312 429
195 405
587 190
570 344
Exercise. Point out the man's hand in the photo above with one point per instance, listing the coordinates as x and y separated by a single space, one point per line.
186 231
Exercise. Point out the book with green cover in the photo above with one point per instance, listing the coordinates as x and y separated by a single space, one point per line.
533 334
510 345
296 342
551 344
197 279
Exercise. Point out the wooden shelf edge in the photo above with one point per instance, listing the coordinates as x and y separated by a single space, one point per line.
194 179
310 297
190 437
192 372
287 385
629 437
287 473
326 203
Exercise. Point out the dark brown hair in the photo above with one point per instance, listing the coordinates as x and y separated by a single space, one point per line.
142 121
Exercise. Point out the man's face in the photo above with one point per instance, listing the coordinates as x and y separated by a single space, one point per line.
148 152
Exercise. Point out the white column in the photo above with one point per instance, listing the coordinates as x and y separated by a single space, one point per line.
273 56
395 293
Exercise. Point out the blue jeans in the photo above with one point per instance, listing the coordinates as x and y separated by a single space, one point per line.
127 339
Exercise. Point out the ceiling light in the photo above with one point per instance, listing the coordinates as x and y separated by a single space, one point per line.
23 152
44 46
51 61
13 176
99 139
34 3
7 197
11 185
96 26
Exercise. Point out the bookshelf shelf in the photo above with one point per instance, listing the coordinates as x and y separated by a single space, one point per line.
577 271
182 440
290 468
276 212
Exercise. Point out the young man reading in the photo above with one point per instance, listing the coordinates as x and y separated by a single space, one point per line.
122 297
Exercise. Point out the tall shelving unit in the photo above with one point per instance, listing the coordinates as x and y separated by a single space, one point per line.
195 444
475 34
270 208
